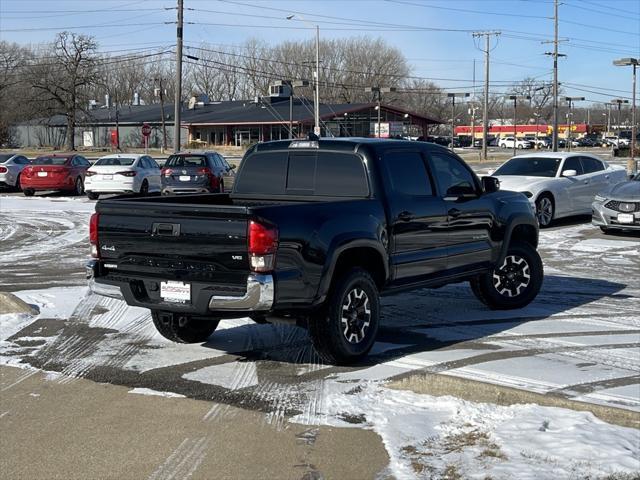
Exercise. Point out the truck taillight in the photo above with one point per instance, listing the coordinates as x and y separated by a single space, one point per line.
93 235
263 242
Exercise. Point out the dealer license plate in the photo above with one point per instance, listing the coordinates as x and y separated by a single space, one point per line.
184 178
42 174
625 218
175 291
107 177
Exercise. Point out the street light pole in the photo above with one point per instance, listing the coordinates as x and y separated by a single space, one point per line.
515 116
570 100
378 91
316 99
633 62
178 93
453 96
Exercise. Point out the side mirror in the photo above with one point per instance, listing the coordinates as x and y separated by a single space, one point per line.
569 173
490 184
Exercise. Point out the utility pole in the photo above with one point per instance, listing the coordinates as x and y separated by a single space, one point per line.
515 99
178 93
555 56
316 129
453 96
485 110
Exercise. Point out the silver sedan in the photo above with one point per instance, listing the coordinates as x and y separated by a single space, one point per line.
618 207
11 165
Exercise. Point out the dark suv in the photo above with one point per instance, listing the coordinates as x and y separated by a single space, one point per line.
196 172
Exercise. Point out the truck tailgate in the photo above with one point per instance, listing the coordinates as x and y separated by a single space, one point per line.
175 241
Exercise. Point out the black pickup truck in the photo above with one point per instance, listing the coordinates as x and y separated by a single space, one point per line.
316 231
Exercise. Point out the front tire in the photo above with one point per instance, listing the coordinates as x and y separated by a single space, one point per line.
515 283
345 328
181 328
545 210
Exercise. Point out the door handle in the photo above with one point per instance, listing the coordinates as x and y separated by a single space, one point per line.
586 182
607 177
405 216
454 212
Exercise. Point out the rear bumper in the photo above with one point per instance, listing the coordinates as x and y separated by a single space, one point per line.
105 186
48 185
171 190
258 297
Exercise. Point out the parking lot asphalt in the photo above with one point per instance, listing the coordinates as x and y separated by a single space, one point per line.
577 342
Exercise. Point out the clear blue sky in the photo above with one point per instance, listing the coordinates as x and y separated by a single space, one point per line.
598 31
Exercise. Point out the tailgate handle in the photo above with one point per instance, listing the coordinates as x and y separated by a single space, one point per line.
166 229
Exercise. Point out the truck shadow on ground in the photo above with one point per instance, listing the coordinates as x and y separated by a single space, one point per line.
428 320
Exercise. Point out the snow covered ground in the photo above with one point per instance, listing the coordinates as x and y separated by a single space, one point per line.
580 340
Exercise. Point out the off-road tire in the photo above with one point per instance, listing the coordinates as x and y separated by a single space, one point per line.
93 196
28 192
181 328
352 309
527 271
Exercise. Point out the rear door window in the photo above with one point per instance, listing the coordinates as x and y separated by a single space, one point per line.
591 165
407 173
573 163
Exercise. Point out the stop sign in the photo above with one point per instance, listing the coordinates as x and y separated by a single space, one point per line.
146 129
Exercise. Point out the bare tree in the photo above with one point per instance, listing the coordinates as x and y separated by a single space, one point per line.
62 78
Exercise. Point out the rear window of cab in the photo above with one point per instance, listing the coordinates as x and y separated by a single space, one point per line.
334 174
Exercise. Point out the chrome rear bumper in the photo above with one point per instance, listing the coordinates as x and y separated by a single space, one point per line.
259 295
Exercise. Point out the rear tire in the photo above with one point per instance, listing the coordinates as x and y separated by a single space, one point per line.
93 195
181 328
515 283
345 328
18 185
144 188
28 192
79 187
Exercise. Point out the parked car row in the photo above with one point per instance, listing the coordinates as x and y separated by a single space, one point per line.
565 184
123 173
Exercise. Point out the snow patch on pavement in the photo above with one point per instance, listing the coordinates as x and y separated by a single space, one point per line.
155 393
426 436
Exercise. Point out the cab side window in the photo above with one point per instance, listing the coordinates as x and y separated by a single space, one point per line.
452 176
591 165
573 163
407 173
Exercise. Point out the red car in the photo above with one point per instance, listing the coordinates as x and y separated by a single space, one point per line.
55 172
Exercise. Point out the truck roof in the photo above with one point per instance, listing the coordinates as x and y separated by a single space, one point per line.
342 143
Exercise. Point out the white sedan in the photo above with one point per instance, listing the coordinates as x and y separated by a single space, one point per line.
558 184
123 173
